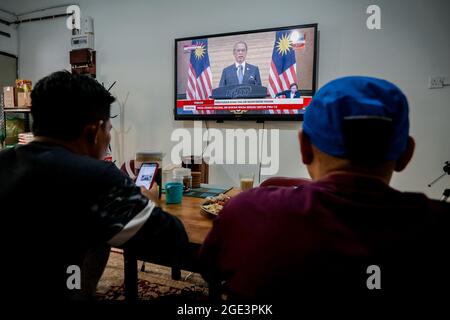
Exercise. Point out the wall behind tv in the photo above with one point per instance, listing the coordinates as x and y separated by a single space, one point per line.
134 41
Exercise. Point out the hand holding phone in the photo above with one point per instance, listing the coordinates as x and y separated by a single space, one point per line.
152 194
147 174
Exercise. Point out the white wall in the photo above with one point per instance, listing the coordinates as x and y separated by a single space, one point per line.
134 43
8 45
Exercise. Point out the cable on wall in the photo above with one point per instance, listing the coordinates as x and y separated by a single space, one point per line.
260 152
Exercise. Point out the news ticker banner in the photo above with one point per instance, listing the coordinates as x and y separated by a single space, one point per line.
244 104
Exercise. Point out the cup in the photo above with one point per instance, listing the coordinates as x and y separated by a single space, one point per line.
184 176
174 192
246 180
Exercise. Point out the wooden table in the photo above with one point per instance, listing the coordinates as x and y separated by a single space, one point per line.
197 226
196 223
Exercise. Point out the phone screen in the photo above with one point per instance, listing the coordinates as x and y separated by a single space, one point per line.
146 175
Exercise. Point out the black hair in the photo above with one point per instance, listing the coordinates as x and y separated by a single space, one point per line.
293 84
63 104
367 139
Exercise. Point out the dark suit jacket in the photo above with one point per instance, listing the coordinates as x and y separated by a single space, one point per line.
287 94
251 75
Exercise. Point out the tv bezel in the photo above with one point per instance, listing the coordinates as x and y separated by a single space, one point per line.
247 117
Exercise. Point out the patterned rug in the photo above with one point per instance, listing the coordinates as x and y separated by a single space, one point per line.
155 282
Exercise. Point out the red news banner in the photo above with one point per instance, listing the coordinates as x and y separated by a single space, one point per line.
244 104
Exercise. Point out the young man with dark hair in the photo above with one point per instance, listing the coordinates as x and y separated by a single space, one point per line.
67 207
329 237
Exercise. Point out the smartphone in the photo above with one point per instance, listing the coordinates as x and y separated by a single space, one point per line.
147 174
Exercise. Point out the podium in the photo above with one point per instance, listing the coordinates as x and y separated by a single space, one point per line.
239 91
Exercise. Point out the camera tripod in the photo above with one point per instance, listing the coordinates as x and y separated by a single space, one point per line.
446 193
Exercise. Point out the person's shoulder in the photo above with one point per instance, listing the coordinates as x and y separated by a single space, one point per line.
98 176
416 198
441 208
83 162
420 205
109 166
431 213
230 67
252 66
59 159
106 169
7 154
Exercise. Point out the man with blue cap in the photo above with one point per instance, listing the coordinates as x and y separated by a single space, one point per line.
347 231
357 124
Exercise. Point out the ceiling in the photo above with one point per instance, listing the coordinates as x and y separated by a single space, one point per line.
19 7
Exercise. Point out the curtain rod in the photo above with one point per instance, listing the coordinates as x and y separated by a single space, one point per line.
43 18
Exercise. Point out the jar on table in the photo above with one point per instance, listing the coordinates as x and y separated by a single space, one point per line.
167 173
183 175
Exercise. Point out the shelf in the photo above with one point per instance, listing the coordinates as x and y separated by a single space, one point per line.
16 110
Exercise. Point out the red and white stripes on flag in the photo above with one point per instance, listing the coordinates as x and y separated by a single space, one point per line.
199 88
199 82
283 71
281 82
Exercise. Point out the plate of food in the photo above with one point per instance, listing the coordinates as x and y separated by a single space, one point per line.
213 205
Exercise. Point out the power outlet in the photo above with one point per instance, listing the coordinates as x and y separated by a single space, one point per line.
436 82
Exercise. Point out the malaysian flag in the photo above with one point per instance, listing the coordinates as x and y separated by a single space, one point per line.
283 69
199 84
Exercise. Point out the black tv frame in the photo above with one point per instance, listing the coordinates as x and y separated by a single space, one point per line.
247 117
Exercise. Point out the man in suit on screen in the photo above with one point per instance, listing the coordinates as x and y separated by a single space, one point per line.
240 72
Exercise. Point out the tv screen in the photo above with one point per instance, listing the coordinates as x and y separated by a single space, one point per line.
265 74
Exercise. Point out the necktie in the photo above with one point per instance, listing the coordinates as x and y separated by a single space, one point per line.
240 74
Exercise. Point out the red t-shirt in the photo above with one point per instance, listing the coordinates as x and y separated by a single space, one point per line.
322 236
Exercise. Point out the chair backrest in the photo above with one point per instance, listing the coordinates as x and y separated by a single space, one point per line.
284 182
128 168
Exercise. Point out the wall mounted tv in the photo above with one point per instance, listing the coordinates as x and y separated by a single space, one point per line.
249 75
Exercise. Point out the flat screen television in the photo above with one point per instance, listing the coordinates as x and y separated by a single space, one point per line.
267 74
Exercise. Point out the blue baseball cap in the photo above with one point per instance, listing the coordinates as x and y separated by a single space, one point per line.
353 97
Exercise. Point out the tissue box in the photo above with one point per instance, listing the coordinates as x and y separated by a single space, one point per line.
23 88
9 97
23 99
